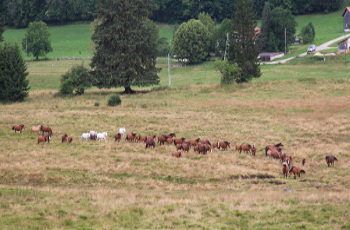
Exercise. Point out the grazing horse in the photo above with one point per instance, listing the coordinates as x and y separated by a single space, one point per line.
247 148
130 137
162 139
93 135
141 138
48 137
195 142
238 148
169 140
285 169
273 154
271 147
205 142
151 137
169 135
330 160
223 145
101 136
196 148
64 137
296 170
303 162
149 143
253 150
18 128
117 137
85 136
202 149
215 145
42 139
178 146
283 157
46 129
36 129
70 139
176 153
186 147
208 147
179 140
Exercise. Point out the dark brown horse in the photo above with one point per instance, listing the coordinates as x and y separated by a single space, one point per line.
330 160
285 169
162 139
271 147
176 153
117 137
253 150
18 128
179 140
130 137
70 139
303 162
202 149
296 170
46 129
149 143
64 137
224 145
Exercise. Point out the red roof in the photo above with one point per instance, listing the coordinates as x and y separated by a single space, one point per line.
346 9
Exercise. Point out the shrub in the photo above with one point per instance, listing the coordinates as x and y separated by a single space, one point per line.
75 80
230 73
114 100
308 33
13 74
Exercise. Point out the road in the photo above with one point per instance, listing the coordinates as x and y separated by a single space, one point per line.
319 48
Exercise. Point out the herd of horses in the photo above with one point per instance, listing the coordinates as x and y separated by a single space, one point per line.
182 145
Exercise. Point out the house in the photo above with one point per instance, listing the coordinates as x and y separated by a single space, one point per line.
346 16
343 46
266 56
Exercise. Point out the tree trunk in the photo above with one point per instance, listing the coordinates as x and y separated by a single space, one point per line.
128 90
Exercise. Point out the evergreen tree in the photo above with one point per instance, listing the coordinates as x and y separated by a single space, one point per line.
264 36
243 49
13 74
126 45
37 39
308 33
1 31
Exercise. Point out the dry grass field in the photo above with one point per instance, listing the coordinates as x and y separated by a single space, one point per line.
104 185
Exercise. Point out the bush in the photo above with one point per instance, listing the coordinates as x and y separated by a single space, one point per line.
114 100
230 73
308 33
13 74
75 80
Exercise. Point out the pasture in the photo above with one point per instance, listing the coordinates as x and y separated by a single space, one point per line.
93 185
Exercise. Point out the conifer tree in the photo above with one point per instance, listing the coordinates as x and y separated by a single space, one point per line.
264 37
243 48
126 45
13 74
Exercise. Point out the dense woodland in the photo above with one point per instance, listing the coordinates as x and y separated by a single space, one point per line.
18 13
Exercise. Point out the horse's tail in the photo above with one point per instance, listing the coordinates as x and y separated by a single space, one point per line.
209 143
335 159
13 127
266 149
291 169
302 171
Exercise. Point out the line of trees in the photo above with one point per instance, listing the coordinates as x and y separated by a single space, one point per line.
19 13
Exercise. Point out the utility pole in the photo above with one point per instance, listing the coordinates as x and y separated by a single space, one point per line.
169 79
285 41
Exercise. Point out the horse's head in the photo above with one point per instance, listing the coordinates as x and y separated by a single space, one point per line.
13 127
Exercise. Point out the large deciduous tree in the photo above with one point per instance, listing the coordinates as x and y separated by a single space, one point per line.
13 74
192 41
243 48
126 45
37 39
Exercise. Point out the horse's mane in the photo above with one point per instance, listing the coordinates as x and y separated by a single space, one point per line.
335 159
291 169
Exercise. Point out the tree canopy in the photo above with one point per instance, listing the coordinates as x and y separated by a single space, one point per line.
126 45
308 33
37 39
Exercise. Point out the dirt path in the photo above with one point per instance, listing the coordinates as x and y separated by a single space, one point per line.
319 48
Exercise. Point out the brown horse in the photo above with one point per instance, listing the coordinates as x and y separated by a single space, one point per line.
117 137
42 139
169 135
36 129
64 137
238 148
253 150
178 146
179 140
169 140
18 128
330 160
303 162
283 157
296 170
271 147
195 142
285 169
223 145
289 160
196 148
185 147
247 148
273 154
205 142
130 137
176 154
202 149
149 143
141 138
151 137
162 139
70 139
46 129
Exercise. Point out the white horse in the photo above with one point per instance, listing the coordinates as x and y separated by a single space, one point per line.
102 136
122 131
85 136
93 135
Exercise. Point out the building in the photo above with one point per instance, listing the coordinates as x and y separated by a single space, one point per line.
346 17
